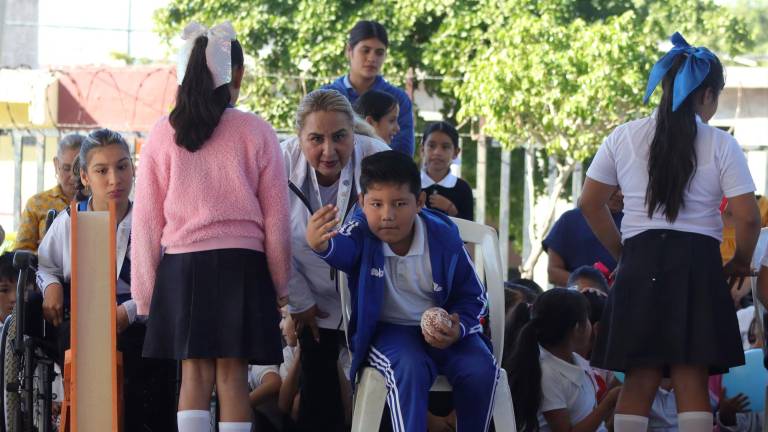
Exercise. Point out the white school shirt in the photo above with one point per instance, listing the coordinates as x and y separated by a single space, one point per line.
721 170
663 415
449 181
566 386
408 281
256 374
289 358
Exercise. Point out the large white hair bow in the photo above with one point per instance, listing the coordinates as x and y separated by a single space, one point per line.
218 53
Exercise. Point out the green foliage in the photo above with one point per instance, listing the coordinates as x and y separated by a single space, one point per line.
558 74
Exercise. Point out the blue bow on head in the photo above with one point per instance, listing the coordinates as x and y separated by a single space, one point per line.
689 76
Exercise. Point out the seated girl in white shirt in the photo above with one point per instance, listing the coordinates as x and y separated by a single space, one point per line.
552 386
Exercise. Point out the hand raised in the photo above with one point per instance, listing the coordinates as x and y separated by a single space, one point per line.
320 227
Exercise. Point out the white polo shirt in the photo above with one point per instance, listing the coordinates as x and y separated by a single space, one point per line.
721 170
408 281
566 386
256 374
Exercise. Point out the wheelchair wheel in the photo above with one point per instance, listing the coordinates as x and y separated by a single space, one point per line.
3 338
11 372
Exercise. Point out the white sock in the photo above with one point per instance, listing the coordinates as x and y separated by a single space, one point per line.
694 421
628 423
193 421
234 427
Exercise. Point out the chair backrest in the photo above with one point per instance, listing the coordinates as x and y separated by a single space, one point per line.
488 267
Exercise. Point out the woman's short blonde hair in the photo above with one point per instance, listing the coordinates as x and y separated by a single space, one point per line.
323 100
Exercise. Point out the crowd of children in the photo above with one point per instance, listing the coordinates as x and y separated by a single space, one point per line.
234 240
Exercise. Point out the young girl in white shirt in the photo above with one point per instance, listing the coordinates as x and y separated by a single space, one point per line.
669 312
553 388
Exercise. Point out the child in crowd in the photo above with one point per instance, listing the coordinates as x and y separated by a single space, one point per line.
212 239
445 192
402 261
552 386
380 110
588 277
8 278
290 370
264 385
105 168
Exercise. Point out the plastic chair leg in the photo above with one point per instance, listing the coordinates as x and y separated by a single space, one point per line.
503 409
370 397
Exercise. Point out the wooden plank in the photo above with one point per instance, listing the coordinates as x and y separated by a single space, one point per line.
94 386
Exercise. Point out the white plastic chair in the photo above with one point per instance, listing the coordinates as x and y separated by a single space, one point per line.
371 392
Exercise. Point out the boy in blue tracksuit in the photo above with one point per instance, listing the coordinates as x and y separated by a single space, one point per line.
401 260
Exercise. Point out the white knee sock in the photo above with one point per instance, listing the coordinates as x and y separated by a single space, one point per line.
695 421
234 427
628 423
193 421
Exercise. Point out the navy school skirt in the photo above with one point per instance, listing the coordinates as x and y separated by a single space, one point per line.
670 305
214 304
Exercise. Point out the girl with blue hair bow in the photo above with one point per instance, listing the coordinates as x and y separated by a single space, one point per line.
670 312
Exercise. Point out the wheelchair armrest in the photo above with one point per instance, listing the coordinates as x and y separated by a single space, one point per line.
24 259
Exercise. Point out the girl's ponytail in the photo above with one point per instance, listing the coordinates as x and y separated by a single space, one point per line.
525 371
200 105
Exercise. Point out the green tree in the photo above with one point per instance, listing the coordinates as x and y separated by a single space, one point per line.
283 34
560 75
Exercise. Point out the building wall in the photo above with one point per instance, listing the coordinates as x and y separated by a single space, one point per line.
19 34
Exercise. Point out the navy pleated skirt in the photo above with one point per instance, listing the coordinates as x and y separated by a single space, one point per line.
670 305
214 304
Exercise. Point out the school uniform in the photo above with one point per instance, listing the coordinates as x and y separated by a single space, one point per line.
663 415
455 189
211 253
149 384
404 140
568 386
670 303
312 282
389 293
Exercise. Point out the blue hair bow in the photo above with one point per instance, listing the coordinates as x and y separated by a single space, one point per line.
689 76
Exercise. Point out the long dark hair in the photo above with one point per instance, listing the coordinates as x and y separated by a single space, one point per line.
554 314
672 157
199 105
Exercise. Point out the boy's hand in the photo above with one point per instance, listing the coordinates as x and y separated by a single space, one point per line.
320 227
445 336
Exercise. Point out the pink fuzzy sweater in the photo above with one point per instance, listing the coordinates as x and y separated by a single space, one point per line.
232 193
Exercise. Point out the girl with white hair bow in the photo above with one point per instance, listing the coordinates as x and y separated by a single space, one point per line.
211 251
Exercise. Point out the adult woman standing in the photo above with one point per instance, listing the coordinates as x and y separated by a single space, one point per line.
670 311
210 244
366 52
323 165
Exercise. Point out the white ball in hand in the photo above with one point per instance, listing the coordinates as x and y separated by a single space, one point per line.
434 318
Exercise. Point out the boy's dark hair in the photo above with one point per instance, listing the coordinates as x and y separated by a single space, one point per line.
375 103
199 106
391 167
672 155
548 322
596 306
7 272
443 127
591 273
368 30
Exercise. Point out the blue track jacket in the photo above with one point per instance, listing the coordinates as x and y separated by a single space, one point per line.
359 254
